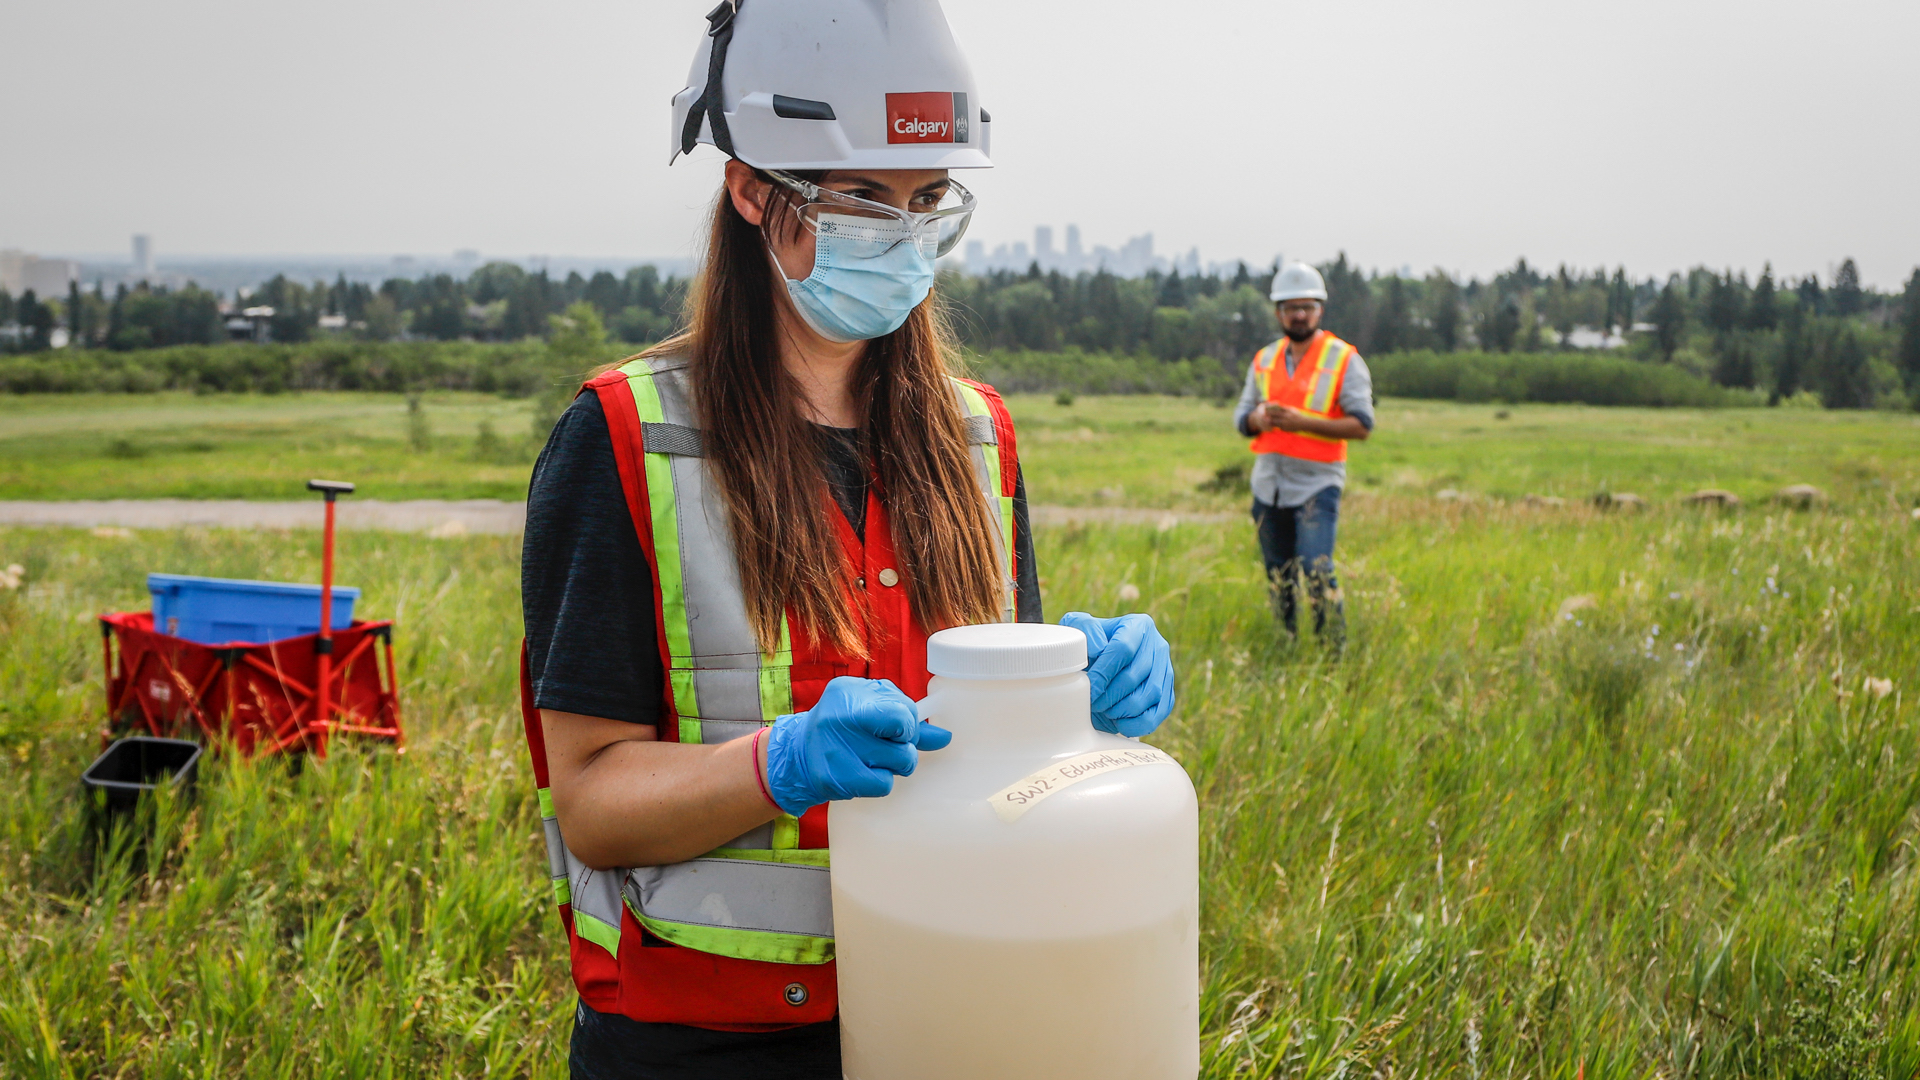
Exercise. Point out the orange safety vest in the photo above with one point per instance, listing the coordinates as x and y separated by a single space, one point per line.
1314 389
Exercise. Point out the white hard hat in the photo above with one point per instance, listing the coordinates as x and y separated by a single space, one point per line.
832 84
1298 281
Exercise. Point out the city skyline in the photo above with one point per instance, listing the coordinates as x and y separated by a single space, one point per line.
1135 258
50 275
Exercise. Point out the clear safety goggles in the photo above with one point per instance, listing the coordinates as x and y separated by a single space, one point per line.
935 232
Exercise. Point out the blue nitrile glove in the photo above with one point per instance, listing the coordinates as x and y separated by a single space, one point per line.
1131 668
861 734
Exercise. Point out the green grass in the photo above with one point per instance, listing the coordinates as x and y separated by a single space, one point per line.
1491 840
1147 451
242 446
1485 816
1135 450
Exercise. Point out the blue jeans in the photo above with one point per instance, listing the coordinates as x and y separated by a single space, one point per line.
1296 543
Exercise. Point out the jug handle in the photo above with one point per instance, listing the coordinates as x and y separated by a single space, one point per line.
927 708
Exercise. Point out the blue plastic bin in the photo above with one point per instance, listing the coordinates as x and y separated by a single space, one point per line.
215 611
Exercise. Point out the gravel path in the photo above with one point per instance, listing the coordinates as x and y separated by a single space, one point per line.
435 517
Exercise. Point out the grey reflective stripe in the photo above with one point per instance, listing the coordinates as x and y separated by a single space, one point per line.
595 892
717 628
738 894
1322 385
980 430
676 439
726 658
556 849
719 731
984 478
727 692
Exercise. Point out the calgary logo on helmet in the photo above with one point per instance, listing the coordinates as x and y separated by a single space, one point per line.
932 117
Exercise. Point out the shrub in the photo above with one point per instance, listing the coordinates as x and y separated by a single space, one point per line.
1072 371
1585 378
515 368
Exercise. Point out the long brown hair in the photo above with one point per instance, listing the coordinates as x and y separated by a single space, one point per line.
767 457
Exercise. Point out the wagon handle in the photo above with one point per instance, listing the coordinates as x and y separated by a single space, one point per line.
323 645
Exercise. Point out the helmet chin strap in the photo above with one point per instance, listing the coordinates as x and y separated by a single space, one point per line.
710 105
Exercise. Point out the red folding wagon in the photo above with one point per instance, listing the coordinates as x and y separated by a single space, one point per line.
289 694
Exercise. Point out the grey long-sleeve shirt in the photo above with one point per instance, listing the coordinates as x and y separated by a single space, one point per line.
1280 480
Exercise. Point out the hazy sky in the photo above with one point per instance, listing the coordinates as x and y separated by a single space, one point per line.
1655 133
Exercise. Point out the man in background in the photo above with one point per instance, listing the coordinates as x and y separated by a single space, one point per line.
1307 395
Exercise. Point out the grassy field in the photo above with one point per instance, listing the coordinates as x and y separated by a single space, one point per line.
1147 451
1135 451
1589 795
246 446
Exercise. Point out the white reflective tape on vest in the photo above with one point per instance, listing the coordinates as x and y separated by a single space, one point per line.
737 894
719 731
556 849
596 893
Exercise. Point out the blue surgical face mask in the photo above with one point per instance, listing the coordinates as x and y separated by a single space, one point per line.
868 276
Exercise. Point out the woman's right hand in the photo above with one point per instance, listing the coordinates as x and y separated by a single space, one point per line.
861 734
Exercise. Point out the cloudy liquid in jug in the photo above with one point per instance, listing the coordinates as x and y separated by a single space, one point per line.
1132 997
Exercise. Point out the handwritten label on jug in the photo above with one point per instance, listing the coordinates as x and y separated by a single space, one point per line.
1019 797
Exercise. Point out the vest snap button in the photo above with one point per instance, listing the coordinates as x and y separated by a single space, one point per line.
795 994
889 578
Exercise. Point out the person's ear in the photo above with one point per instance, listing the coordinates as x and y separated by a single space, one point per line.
748 192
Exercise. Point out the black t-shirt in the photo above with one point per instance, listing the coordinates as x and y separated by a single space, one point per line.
587 599
586 591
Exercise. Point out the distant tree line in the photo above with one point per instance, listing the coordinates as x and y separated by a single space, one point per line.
1854 347
1851 346
498 302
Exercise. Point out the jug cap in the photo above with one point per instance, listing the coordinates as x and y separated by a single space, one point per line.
1007 651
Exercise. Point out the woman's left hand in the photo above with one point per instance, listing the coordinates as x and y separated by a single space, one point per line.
1131 668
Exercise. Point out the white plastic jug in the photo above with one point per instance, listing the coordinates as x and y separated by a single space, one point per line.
1026 904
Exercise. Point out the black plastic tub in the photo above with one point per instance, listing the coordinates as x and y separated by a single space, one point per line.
133 766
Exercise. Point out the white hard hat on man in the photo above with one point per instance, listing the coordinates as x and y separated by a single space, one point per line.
1298 281
833 84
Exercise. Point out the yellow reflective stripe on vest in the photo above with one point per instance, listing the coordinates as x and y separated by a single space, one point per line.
999 507
776 678
604 934
1270 358
556 849
1333 363
666 549
763 945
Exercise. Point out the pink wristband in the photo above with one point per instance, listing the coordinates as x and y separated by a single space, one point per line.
758 778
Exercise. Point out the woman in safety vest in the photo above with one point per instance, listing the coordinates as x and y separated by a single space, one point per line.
738 542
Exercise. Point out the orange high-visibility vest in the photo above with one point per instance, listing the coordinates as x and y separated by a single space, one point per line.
1314 389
